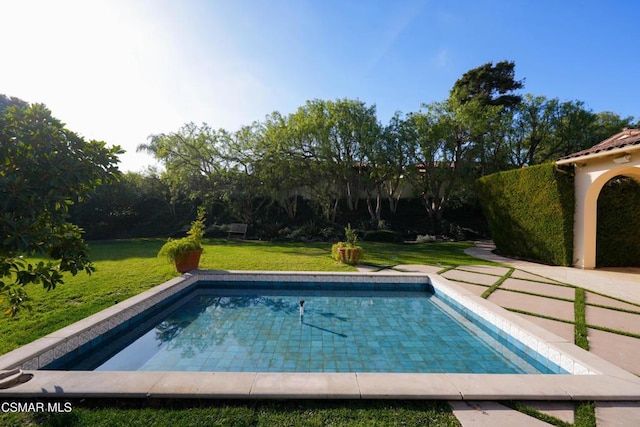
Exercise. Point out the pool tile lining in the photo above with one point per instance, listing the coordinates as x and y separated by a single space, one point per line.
85 332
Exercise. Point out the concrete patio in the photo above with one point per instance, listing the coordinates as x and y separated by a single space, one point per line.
542 291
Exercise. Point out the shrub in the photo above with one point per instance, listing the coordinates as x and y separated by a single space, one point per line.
334 250
425 239
347 252
530 212
383 236
174 249
350 236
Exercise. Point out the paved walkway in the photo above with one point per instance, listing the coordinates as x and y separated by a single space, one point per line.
545 295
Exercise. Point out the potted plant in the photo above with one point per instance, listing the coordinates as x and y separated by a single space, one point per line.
347 252
185 252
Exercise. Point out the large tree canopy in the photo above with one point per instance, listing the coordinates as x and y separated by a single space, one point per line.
489 85
330 157
44 168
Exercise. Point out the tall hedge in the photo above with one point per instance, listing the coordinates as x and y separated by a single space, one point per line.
530 212
617 238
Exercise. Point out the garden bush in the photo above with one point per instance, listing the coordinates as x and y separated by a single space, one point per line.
382 236
530 212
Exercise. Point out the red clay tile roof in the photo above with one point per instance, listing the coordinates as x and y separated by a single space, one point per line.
628 137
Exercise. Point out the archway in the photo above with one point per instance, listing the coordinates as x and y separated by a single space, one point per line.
593 168
618 223
589 180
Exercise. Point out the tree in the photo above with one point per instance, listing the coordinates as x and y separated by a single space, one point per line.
8 102
488 90
608 124
532 129
44 169
573 128
137 205
438 153
310 130
242 189
194 158
279 163
489 85
335 136
393 155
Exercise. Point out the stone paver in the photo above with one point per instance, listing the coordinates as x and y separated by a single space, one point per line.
474 289
617 414
521 274
486 269
539 288
564 330
592 298
417 268
561 410
466 276
313 385
617 320
533 304
618 349
619 283
491 414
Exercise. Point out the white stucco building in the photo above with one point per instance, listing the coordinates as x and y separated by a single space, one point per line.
594 167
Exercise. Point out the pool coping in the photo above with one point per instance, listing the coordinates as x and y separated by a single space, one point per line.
597 378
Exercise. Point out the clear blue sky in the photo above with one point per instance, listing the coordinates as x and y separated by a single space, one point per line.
120 70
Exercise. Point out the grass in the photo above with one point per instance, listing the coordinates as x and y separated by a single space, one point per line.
497 284
128 267
245 413
532 412
447 254
581 338
584 414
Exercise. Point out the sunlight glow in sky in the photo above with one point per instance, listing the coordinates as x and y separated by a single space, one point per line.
121 70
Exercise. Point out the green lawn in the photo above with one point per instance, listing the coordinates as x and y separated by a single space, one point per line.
128 267
244 413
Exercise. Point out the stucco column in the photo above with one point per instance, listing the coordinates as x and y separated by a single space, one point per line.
588 182
584 228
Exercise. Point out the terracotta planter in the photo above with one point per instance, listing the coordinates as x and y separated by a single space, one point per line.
341 254
189 261
350 255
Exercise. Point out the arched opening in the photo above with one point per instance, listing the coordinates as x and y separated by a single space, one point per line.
618 155
589 183
618 223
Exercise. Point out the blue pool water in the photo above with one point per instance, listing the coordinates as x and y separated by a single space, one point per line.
261 330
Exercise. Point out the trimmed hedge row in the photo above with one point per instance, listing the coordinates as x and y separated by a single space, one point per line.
617 239
530 212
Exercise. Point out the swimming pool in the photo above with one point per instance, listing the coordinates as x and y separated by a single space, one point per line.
310 327
355 326
591 377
